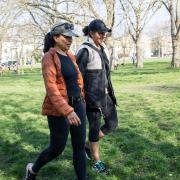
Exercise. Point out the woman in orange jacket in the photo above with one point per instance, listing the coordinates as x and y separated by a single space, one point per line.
63 104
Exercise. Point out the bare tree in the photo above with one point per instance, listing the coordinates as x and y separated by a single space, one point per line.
173 7
9 12
161 44
137 14
46 13
22 38
110 21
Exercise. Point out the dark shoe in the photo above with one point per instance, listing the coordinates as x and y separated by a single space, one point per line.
29 175
87 177
100 167
88 153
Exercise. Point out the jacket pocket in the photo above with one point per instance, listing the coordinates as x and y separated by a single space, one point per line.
94 88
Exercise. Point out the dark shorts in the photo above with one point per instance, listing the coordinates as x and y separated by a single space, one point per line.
109 115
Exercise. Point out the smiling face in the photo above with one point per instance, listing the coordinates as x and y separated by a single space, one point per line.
98 37
63 42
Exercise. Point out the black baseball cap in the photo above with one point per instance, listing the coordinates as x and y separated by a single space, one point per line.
98 25
63 28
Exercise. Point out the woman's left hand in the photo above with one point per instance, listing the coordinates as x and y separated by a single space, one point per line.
74 119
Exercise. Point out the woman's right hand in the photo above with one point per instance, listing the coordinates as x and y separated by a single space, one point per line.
73 119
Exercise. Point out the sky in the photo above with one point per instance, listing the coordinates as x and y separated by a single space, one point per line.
159 17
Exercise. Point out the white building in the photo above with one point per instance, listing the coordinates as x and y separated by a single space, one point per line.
16 52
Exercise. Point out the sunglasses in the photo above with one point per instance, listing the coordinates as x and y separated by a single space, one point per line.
64 26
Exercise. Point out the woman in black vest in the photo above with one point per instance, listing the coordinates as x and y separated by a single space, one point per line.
93 62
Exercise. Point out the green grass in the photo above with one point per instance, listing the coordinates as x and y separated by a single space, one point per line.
144 146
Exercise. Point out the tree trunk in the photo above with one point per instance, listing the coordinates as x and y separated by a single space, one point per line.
175 63
109 44
0 51
110 13
175 34
139 59
110 23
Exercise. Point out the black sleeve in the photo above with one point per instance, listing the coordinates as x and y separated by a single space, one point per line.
82 60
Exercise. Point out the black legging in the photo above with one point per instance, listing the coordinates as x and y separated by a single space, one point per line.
59 130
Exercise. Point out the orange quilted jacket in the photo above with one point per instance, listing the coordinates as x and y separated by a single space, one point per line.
56 99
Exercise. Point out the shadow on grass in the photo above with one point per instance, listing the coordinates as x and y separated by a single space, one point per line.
142 150
15 155
23 137
149 68
167 88
136 157
13 79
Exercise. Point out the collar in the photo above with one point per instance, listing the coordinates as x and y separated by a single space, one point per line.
53 51
90 40
61 52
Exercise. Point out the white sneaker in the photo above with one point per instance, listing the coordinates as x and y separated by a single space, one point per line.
29 175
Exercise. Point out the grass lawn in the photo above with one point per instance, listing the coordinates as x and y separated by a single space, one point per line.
144 146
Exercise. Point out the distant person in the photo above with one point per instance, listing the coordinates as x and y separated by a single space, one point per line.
9 67
133 58
93 62
63 104
1 70
15 68
115 59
